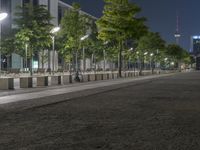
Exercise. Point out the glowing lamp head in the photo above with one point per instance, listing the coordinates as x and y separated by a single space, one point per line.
54 30
84 37
3 16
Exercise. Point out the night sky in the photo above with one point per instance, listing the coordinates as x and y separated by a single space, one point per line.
161 16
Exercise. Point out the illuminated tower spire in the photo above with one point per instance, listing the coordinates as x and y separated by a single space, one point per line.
177 34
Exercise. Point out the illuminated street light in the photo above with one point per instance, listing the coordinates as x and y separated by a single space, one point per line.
26 48
151 55
131 49
3 15
82 39
53 31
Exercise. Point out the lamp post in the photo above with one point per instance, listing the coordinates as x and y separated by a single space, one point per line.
26 47
53 31
151 55
129 59
82 39
3 15
145 59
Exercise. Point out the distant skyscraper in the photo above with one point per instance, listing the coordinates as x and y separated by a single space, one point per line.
195 45
195 49
177 34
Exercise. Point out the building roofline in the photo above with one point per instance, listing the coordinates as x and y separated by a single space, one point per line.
61 3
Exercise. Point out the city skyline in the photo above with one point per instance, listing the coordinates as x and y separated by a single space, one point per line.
161 17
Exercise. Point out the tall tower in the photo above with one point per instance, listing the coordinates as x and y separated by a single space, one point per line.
177 34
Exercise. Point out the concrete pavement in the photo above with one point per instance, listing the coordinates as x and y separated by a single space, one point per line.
26 98
152 114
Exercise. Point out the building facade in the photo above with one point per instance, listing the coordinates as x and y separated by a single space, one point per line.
6 26
195 49
56 9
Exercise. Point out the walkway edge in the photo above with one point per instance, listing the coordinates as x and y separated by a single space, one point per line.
52 96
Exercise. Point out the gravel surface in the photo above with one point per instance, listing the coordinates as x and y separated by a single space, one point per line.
161 114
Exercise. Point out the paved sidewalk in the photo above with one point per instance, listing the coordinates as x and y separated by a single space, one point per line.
22 95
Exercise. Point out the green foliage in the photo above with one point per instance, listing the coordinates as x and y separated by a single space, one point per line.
7 46
119 23
151 43
34 27
73 27
176 51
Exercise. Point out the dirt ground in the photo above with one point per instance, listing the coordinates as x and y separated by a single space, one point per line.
161 114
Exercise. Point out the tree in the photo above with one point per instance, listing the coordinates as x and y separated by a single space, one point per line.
151 43
119 23
34 27
178 53
7 48
73 27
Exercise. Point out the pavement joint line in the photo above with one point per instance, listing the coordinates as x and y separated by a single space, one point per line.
78 87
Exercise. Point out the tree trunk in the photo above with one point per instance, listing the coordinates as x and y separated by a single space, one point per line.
31 64
141 66
120 59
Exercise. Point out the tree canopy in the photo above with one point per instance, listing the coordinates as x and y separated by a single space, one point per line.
119 23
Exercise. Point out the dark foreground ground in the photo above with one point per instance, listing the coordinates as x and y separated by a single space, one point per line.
162 114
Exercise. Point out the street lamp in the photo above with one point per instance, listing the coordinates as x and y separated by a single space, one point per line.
26 47
53 32
145 53
82 39
3 15
151 55
104 56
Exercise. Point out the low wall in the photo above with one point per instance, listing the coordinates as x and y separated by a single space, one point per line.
27 82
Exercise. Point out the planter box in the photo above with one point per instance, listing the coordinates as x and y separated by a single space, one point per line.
115 75
55 80
6 83
42 81
110 76
99 77
92 77
26 82
105 76
85 78
67 79
123 74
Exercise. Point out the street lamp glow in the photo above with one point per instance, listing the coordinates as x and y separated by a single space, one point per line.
3 16
84 37
131 49
55 29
